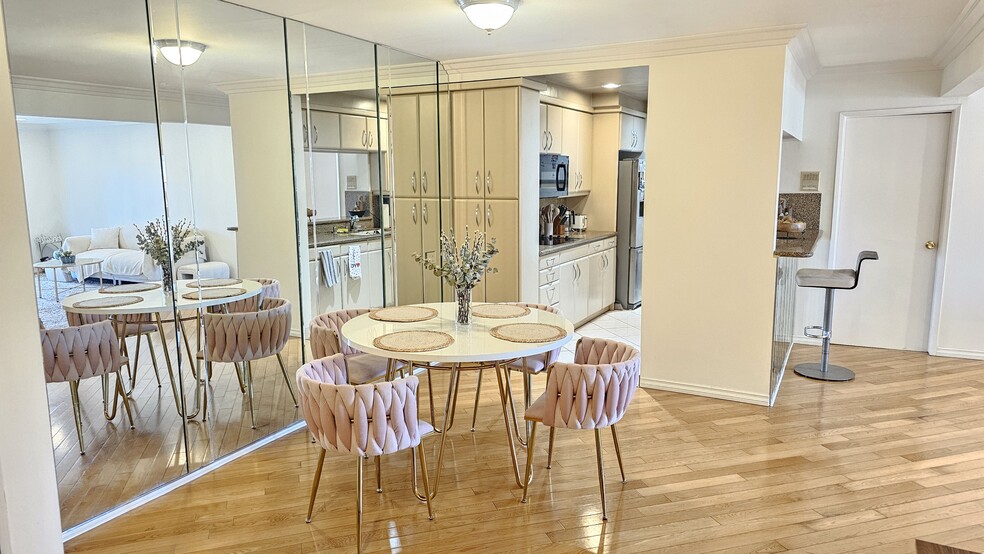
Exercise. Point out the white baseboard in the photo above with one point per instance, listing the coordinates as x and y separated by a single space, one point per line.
809 341
700 390
160 491
957 353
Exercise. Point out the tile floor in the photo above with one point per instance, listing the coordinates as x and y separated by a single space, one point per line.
620 325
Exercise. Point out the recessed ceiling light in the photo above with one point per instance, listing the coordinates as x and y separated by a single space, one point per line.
488 15
182 53
610 85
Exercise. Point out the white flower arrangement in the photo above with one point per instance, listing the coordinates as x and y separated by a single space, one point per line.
152 239
462 266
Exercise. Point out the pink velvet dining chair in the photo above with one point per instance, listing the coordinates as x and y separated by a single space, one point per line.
360 367
71 354
270 290
592 393
245 337
527 367
364 420
137 325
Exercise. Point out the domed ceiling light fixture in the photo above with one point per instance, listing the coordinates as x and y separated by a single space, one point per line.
182 53
489 15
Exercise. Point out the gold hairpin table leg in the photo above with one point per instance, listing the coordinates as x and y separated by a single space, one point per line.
167 362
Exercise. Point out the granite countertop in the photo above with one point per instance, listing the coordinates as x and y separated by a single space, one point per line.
800 247
333 239
586 237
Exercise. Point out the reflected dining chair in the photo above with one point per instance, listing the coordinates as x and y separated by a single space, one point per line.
591 393
71 354
137 325
528 367
245 337
365 420
360 367
270 290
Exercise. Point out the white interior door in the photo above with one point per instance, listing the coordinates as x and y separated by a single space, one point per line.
892 172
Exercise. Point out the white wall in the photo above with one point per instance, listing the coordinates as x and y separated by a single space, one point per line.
80 176
712 149
961 329
29 515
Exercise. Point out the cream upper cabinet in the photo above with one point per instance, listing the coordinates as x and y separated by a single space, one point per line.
502 224
406 154
321 130
633 133
468 143
569 143
407 234
429 159
359 132
502 143
585 151
552 129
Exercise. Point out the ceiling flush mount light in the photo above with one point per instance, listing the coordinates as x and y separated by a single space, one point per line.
183 53
489 15
610 85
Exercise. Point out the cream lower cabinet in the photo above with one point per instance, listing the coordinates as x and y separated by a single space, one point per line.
430 232
350 293
580 282
499 219
608 277
408 240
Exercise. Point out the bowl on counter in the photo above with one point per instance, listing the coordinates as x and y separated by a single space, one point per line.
791 227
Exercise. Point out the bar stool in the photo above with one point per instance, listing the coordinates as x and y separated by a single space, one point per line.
830 280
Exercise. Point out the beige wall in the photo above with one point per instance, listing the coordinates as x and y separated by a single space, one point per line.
29 517
712 161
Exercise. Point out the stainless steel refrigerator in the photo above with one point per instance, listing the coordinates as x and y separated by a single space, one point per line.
631 209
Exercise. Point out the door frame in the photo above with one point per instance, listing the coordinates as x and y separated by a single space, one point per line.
953 110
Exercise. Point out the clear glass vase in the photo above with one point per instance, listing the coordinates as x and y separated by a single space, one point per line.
464 316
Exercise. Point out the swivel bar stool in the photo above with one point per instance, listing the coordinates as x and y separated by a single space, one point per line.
830 280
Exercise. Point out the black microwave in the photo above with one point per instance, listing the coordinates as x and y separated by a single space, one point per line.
553 175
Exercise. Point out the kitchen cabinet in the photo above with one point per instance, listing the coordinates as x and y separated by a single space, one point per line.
407 225
486 143
320 129
349 293
358 132
580 282
415 156
608 278
633 133
499 219
552 129
584 160
431 217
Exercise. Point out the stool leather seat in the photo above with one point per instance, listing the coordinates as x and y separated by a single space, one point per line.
827 278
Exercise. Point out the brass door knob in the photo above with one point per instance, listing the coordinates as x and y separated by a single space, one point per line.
930 245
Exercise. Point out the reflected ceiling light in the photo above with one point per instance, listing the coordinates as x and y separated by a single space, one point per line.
610 85
489 15
183 52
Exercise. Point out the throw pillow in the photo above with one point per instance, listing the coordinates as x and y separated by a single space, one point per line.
105 238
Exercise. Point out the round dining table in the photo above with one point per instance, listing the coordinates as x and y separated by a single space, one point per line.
474 348
152 304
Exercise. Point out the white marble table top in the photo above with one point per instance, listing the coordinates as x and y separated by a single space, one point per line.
155 302
471 344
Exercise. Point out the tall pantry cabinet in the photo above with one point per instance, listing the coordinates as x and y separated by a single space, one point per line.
495 150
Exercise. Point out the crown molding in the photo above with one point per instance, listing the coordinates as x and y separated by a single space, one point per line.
109 91
963 31
900 66
623 54
803 51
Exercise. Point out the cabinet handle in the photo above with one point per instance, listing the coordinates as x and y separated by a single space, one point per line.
478 177
370 140
423 212
413 182
488 182
413 213
304 129
545 143
550 135
478 220
488 216
365 137
423 182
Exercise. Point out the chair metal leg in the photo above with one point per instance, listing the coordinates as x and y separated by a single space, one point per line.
527 395
825 371
358 505
249 391
136 363
283 369
379 476
121 390
529 463
430 392
423 475
512 406
74 387
153 360
618 452
239 376
478 392
317 481
550 448
601 475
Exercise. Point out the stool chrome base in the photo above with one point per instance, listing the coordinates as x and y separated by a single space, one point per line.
833 373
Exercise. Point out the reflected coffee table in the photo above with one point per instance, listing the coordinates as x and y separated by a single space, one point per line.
55 263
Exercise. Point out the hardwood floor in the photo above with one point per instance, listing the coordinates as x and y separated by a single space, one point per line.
121 463
867 466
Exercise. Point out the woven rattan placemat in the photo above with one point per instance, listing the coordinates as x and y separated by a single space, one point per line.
528 332
500 311
107 302
209 283
212 294
413 341
130 288
404 314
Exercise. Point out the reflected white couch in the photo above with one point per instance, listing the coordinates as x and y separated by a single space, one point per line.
126 262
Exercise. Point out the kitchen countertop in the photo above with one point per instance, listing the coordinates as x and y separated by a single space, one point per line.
586 237
801 247
343 238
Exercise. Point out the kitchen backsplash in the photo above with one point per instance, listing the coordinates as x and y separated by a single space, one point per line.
803 206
